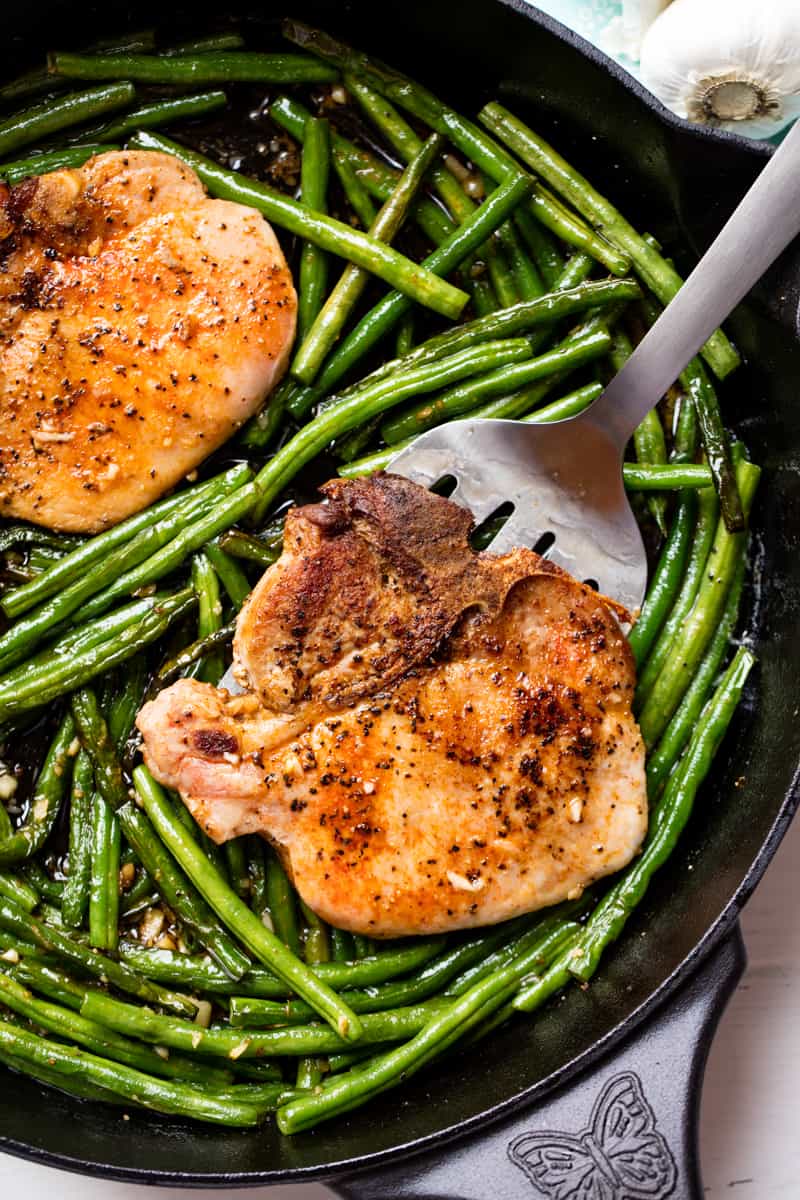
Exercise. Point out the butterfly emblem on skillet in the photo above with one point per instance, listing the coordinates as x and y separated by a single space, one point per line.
621 1156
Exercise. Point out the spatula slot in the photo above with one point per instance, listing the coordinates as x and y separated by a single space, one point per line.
445 486
484 534
544 543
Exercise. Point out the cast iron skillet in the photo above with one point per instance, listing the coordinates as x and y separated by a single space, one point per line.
454 1131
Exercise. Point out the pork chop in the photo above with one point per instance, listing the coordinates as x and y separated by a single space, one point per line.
432 738
140 324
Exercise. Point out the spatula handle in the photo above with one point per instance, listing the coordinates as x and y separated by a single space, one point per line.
765 222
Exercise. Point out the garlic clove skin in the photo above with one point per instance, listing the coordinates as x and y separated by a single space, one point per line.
731 64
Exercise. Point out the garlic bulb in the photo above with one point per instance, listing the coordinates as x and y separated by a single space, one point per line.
734 64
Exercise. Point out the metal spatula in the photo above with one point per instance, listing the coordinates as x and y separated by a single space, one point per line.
565 479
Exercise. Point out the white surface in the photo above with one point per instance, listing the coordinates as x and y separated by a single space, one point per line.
749 1140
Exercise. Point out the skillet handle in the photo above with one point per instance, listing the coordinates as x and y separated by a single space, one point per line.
645 1094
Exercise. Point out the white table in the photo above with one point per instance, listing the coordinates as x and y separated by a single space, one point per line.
750 1146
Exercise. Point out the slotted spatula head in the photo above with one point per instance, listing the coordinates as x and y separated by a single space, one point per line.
564 481
565 478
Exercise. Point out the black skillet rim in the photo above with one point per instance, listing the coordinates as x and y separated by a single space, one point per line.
715 933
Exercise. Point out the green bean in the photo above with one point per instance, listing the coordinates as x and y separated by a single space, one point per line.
260 941
177 667
527 280
502 279
652 657
316 949
104 876
356 194
319 339
281 904
57 673
667 579
189 537
403 139
262 428
257 873
35 880
701 623
69 1086
363 945
313 274
162 1095
183 970
715 443
550 166
26 633
47 979
182 69
706 419
352 446
484 299
246 1011
51 787
362 173
657 477
503 956
6 824
677 733
53 160
22 892
316 945
97 549
212 851
381 319
252 549
452 1020
66 1023
609 918
70 994
31 535
40 80
60 112
126 703
236 866
404 341
466 396
370 402
99 745
298 1040
342 949
140 896
205 45
414 280
509 322
543 247
472 141
47 937
231 575
685 432
651 450
75 898
210 667
406 142
568 405
180 894
157 113
648 439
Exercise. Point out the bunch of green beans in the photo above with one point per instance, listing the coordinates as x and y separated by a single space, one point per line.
146 965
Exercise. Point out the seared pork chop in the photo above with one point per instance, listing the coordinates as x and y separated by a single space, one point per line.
140 324
432 738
